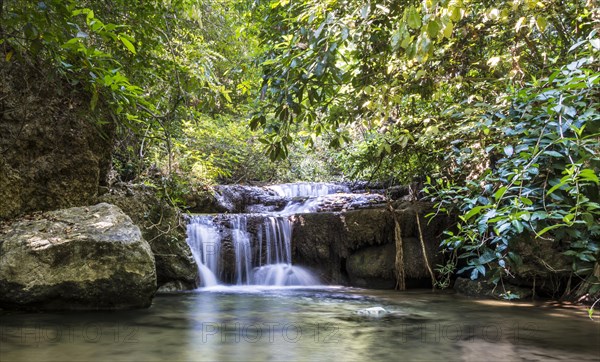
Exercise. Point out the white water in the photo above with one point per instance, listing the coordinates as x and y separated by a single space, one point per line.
310 191
278 269
307 189
273 266
205 242
283 275
243 249
278 238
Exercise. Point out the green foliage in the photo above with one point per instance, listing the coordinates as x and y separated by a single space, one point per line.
82 48
545 182
224 150
446 272
395 83
495 100
157 69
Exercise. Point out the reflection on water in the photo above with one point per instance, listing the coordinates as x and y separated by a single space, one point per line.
241 324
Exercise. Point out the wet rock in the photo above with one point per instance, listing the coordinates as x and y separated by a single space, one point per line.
239 198
163 227
321 235
172 287
338 202
202 201
79 258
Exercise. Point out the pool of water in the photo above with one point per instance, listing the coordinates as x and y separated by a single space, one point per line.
253 323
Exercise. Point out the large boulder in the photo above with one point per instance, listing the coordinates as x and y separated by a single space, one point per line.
164 227
79 258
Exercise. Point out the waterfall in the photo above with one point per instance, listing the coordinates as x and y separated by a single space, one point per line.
307 189
278 239
271 263
278 269
205 242
243 249
305 195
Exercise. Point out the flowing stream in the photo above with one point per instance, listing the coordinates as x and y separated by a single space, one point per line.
272 310
254 323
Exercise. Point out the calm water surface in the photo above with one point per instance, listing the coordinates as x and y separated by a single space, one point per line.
242 324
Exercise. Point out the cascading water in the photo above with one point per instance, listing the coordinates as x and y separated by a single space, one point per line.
278 268
243 249
278 234
273 238
205 242
307 189
305 196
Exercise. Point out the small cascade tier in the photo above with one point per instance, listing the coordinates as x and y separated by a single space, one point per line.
261 254
260 245
307 189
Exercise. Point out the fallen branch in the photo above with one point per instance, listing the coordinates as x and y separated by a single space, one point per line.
425 258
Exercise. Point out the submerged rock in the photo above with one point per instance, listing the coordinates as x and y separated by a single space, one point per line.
79 258
373 311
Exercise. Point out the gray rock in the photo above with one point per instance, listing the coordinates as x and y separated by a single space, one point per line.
335 243
373 267
164 229
171 287
79 258
240 198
